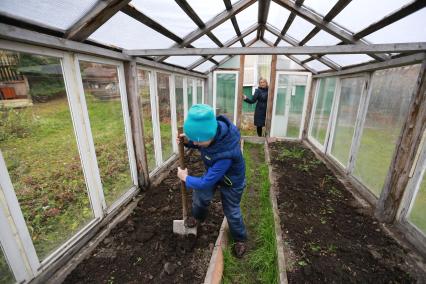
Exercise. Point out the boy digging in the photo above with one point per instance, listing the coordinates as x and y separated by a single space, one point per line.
218 141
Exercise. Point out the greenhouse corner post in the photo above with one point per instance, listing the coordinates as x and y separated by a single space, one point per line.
400 168
240 91
309 108
271 93
130 73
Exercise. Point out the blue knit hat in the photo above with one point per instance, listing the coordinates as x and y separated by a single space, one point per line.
200 124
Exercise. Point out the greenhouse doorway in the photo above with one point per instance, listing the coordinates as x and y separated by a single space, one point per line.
225 90
289 104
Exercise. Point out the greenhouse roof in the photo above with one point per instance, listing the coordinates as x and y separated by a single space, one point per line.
161 24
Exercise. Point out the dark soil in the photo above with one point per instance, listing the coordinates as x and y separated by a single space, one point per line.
330 237
143 248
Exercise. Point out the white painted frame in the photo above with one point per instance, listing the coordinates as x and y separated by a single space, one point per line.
157 116
126 121
287 104
185 97
152 89
235 93
335 109
312 139
20 250
417 173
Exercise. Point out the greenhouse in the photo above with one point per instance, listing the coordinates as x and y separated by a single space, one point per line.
94 95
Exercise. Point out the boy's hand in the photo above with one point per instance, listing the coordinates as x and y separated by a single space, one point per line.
182 174
180 138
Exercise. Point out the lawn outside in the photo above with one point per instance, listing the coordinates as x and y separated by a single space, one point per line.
46 172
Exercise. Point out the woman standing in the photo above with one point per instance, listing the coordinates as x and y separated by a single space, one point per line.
261 97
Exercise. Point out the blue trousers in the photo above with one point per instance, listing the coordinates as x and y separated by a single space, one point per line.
231 198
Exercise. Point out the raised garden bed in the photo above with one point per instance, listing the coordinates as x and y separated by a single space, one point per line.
143 248
329 237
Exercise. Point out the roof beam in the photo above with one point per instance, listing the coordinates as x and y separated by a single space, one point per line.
288 23
262 16
147 21
337 8
226 44
213 23
34 39
196 19
329 27
314 50
228 6
395 62
95 18
392 18
292 58
226 59
144 19
330 63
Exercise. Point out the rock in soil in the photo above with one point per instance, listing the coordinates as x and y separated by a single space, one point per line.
169 268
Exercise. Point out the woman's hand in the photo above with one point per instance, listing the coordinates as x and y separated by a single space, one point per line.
244 97
182 174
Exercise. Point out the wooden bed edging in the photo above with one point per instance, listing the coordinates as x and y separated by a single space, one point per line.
282 274
215 269
105 228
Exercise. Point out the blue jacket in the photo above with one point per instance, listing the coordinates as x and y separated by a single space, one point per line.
223 159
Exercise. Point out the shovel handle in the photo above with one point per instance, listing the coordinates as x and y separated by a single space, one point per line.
182 183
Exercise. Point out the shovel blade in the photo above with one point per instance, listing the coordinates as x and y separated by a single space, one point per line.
180 228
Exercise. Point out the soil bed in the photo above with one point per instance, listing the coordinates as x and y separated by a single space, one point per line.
143 248
330 237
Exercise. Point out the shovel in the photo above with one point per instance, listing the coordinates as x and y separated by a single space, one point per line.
179 225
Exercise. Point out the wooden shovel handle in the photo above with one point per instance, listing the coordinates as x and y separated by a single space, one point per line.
182 183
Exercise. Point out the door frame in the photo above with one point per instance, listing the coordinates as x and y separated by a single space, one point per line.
235 93
286 111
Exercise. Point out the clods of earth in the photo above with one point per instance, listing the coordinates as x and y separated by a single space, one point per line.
329 237
143 248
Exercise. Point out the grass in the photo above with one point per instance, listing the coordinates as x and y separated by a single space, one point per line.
40 150
260 263
6 275
46 172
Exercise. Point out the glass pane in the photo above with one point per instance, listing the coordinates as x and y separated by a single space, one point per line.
289 105
145 105
102 93
387 108
279 116
225 94
39 146
264 67
59 14
296 109
6 275
164 113
350 95
179 100
199 92
324 102
418 212
124 31
189 91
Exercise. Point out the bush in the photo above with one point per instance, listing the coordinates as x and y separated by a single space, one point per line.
15 123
